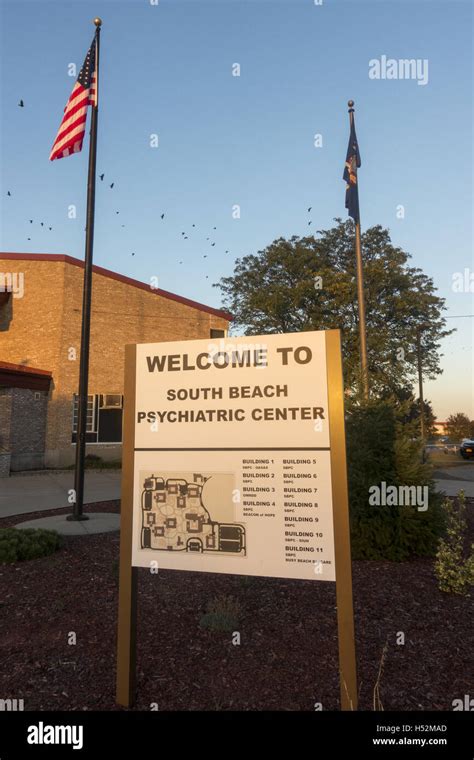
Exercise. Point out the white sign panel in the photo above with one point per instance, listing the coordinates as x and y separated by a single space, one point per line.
232 468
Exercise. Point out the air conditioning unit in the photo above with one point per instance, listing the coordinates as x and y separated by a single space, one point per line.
111 401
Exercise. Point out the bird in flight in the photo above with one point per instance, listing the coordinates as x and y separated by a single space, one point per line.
205 256
214 228
212 245
162 216
101 177
117 212
50 228
309 209
227 251
185 237
111 186
31 221
21 104
133 254
194 225
42 224
29 238
122 225
309 223
8 192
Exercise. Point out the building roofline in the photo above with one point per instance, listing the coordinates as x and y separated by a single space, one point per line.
8 367
65 258
21 376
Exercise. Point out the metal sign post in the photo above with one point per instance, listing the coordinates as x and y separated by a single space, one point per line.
127 611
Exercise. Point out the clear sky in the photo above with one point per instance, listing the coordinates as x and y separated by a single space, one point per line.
247 140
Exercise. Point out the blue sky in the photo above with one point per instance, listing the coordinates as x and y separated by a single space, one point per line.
247 140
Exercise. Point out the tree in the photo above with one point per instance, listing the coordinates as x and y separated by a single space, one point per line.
409 411
458 426
310 284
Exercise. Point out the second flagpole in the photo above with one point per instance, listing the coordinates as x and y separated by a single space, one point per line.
360 289
77 513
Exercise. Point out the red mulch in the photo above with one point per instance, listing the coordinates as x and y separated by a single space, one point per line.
287 659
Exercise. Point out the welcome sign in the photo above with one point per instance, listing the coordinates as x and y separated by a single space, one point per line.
231 457
234 462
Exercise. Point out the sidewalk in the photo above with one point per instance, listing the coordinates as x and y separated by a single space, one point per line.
21 494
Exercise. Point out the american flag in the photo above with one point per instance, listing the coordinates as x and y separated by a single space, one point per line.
73 126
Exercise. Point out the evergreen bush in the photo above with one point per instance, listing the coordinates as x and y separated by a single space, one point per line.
17 545
382 448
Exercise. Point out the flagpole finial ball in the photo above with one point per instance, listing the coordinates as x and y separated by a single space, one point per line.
350 103
98 21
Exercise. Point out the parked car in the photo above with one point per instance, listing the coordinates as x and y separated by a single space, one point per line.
467 449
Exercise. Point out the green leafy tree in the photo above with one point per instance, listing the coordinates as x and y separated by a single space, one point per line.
310 284
458 426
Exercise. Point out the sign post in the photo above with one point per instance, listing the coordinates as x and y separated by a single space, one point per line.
234 462
127 612
342 536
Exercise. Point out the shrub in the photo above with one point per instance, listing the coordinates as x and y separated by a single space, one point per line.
222 614
455 573
92 458
17 545
381 448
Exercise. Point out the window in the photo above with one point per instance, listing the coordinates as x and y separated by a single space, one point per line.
217 333
104 418
6 307
91 403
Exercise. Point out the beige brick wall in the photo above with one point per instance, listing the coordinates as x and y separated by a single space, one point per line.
46 327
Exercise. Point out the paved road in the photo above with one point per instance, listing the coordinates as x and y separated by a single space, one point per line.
454 479
21 494
460 472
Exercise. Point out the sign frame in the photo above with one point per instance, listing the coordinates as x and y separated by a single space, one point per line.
128 574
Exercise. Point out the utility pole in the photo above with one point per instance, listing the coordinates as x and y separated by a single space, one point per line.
420 384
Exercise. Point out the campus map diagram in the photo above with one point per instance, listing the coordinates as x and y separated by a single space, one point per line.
175 518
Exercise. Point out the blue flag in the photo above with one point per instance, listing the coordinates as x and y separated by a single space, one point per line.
350 175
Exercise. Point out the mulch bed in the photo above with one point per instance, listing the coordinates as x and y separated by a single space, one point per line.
287 658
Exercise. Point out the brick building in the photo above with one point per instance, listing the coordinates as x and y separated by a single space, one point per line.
24 393
40 326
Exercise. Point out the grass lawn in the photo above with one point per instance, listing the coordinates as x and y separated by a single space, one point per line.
440 459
